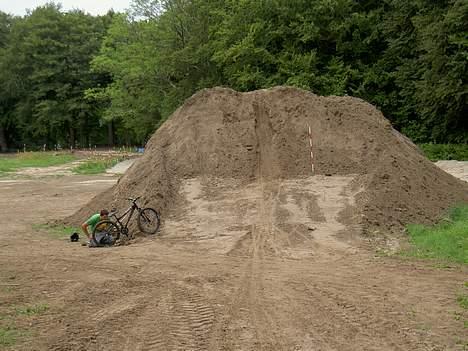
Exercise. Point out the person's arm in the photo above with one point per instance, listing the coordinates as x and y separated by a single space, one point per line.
84 226
92 221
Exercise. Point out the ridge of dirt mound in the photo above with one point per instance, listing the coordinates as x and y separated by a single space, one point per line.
221 133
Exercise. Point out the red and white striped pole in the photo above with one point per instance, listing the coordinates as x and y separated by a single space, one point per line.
311 151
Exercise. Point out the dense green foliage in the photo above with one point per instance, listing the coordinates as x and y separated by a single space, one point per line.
68 77
436 152
447 240
45 71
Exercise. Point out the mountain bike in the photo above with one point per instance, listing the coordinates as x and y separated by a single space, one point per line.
111 229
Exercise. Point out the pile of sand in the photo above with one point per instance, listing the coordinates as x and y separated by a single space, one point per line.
223 133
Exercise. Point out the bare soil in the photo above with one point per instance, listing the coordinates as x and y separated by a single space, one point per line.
221 133
239 267
255 252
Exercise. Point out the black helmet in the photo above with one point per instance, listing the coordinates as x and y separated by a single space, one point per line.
74 237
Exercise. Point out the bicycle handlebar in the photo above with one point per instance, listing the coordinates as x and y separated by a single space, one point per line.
133 199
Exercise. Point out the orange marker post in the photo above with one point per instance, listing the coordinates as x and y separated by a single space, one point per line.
311 151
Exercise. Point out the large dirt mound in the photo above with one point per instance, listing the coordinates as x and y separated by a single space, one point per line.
222 133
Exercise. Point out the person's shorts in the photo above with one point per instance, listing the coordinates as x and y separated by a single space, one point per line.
96 241
101 239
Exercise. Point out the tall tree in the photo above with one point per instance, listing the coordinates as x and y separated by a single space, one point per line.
442 91
157 57
408 58
6 82
421 75
50 53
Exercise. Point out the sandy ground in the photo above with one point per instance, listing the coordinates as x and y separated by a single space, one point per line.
239 267
458 169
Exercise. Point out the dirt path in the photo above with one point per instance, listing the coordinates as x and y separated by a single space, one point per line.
60 170
270 265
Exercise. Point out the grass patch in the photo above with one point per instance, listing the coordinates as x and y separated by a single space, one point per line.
33 159
447 240
56 231
436 152
96 166
8 336
463 301
31 310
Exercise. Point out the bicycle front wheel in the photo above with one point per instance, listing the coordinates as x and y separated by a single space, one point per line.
106 233
149 221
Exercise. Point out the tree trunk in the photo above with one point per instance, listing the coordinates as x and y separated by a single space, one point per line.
72 138
3 143
110 133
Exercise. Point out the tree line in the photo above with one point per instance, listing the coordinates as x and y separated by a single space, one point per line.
70 78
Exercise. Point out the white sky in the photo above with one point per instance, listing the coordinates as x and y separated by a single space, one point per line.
95 7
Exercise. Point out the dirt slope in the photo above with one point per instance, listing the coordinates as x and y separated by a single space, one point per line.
220 133
235 268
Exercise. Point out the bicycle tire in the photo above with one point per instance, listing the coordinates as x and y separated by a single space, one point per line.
109 227
148 220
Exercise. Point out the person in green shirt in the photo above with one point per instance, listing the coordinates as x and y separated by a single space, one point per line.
90 224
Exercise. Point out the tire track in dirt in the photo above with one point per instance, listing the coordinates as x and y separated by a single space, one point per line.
119 307
264 324
295 232
181 320
348 314
147 332
197 317
361 326
263 232
86 329
249 322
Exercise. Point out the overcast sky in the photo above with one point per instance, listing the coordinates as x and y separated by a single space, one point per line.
95 7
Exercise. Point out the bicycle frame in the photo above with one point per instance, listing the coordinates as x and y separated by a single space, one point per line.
130 210
120 223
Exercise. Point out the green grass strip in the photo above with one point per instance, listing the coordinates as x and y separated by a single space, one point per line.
8 336
463 301
96 166
436 152
57 231
33 159
447 240
32 310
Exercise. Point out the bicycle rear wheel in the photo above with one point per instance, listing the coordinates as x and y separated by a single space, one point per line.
148 221
108 230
